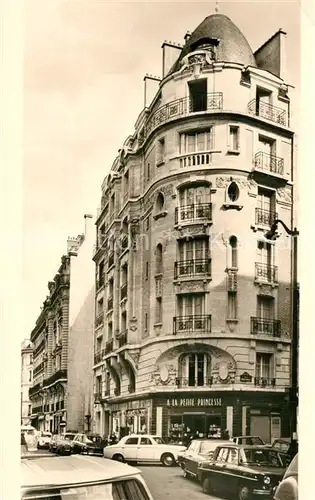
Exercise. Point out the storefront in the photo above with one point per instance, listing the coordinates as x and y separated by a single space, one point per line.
130 417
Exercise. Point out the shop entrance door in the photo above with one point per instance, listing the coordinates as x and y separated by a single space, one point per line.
260 426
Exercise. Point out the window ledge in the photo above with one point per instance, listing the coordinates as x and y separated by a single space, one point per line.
231 151
232 320
232 205
160 215
272 284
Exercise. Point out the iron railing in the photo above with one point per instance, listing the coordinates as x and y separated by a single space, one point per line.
266 273
268 111
192 324
111 260
100 282
39 348
123 291
38 369
99 320
193 212
261 325
265 217
266 162
98 356
122 338
194 382
109 346
265 382
110 303
188 268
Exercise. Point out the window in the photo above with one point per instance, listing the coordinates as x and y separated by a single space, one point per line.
148 171
110 330
232 456
158 318
146 321
111 287
198 95
160 152
267 148
191 305
147 223
234 133
197 249
126 184
146 270
193 142
264 253
112 204
265 307
30 376
100 306
98 384
232 314
29 410
263 365
99 341
266 206
194 369
194 195
222 455
159 259
31 359
160 202
263 102
233 192
233 247
132 440
124 274
145 440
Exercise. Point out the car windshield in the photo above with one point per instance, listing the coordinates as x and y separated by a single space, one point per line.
262 457
158 440
207 446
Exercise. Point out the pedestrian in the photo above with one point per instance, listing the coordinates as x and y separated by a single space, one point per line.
226 435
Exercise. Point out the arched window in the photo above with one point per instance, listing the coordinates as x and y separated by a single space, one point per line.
159 259
195 369
159 202
233 191
233 245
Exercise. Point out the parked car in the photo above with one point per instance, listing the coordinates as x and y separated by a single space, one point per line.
288 487
69 436
198 451
143 448
59 445
43 440
90 444
249 440
248 471
80 477
287 449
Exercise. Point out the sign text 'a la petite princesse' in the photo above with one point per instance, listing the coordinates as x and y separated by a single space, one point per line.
190 402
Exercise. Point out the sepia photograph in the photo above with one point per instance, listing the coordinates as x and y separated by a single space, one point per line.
160 225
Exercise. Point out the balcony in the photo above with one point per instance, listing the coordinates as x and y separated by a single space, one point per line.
178 108
98 356
266 273
192 324
123 291
193 382
265 326
109 346
192 268
264 382
33 390
39 348
231 280
265 217
110 304
60 374
111 260
191 213
97 396
265 110
122 338
195 160
100 282
39 368
99 320
269 164
124 242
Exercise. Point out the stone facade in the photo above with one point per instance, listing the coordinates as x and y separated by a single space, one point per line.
193 302
26 380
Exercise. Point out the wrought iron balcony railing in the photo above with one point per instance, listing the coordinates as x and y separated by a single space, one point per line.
265 326
124 242
110 303
265 217
111 259
268 111
266 273
194 382
100 282
266 162
98 356
194 267
192 324
122 338
181 107
123 291
39 348
265 382
193 212
39 368
99 320
109 346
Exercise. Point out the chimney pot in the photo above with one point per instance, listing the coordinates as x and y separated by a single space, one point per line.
187 36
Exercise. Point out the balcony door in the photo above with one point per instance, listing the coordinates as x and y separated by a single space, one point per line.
193 250
265 308
264 255
266 200
198 95
194 195
191 305
263 369
194 369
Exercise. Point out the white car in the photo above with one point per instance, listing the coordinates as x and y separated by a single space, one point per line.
143 448
43 440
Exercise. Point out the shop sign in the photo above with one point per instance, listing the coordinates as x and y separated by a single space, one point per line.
191 402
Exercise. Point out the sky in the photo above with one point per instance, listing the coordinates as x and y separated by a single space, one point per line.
84 64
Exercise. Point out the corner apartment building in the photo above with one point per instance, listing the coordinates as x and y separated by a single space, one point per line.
63 342
26 380
193 303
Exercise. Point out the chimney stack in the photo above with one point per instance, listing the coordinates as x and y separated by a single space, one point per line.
187 36
170 53
86 225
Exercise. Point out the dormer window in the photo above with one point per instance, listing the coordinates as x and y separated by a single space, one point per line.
209 44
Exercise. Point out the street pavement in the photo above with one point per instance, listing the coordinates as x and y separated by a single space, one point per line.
168 483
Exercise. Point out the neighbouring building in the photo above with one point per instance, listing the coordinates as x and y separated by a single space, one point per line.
193 302
61 393
26 380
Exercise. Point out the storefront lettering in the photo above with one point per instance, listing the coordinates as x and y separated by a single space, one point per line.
191 402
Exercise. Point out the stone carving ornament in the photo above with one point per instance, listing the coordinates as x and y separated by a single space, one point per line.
285 194
224 181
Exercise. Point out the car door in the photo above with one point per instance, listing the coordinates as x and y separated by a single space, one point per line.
130 448
189 456
193 459
146 450
232 471
219 466
77 441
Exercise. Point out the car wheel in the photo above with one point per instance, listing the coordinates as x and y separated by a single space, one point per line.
167 460
206 486
118 457
244 493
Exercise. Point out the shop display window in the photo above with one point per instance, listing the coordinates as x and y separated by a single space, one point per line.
185 427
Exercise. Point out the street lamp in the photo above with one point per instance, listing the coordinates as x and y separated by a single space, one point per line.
293 395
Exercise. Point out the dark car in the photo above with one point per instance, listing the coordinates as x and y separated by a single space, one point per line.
288 487
247 471
89 444
59 445
286 448
198 451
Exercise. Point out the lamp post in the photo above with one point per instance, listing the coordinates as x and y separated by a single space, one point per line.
293 394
